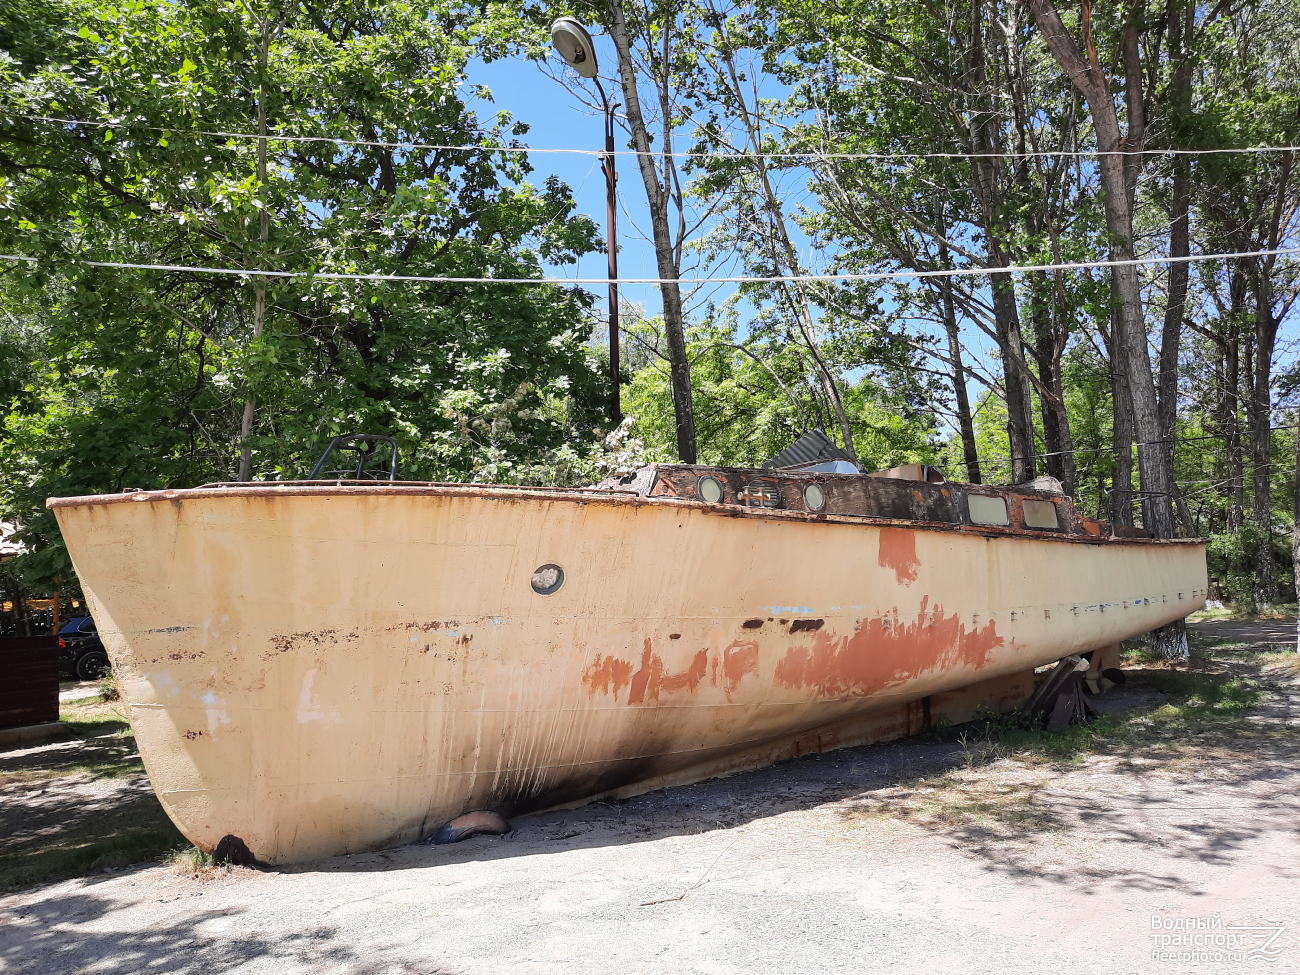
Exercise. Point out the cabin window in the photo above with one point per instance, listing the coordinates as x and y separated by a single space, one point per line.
547 579
709 490
1040 514
987 509
814 497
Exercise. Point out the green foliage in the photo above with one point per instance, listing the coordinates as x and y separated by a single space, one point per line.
754 396
140 378
115 379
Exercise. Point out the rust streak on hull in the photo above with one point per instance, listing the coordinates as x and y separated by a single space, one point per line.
608 675
884 654
650 679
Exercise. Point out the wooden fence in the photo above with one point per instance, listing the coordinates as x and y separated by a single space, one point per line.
29 680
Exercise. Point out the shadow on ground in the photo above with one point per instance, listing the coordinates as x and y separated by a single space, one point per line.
1148 793
1280 632
77 806
205 941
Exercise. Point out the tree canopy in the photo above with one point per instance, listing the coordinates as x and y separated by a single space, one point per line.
960 139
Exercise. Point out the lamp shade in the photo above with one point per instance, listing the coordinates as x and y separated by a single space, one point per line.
574 44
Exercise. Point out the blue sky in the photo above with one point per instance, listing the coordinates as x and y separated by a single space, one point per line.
558 119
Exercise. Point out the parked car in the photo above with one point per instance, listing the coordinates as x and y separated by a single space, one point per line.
81 654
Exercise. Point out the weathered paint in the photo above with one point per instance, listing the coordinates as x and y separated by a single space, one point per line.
886 653
326 669
898 552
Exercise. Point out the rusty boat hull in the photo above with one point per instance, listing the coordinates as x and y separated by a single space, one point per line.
332 668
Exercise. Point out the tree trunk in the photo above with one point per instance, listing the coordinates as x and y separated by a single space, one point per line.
1006 317
1119 166
259 284
1048 346
1260 410
1120 509
966 423
1020 402
1227 407
1175 312
1180 204
1295 528
1259 416
658 198
1040 321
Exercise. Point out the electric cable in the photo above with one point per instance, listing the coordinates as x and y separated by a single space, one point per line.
435 147
737 279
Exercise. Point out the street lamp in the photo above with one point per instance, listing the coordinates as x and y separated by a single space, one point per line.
573 43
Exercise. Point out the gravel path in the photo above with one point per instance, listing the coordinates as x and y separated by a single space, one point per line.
892 858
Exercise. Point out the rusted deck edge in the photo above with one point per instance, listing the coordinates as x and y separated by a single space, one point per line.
507 492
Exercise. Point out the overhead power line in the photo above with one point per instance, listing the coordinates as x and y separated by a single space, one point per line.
882 156
737 279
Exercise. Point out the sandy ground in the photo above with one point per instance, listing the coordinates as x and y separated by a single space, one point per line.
897 857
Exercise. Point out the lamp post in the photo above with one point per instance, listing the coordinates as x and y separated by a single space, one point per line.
573 43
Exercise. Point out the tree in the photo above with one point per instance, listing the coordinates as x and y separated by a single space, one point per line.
731 119
883 82
648 43
1119 163
147 373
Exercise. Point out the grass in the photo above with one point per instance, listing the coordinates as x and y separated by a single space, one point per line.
191 860
1221 613
1282 663
950 802
55 861
1198 720
1242 612
57 819
93 718
108 750
1210 694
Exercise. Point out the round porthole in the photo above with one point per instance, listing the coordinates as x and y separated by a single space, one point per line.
547 579
814 497
709 489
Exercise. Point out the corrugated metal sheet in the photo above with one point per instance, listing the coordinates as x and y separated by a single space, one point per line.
812 447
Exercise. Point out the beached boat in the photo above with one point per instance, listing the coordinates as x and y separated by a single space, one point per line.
320 667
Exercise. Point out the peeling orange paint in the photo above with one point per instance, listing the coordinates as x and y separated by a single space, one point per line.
612 674
651 679
879 655
607 672
898 552
739 659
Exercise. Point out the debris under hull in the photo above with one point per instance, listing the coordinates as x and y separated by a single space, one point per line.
329 669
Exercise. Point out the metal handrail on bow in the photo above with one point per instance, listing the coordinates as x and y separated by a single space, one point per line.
360 443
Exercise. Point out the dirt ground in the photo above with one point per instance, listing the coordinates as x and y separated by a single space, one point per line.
80 803
1275 632
953 853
